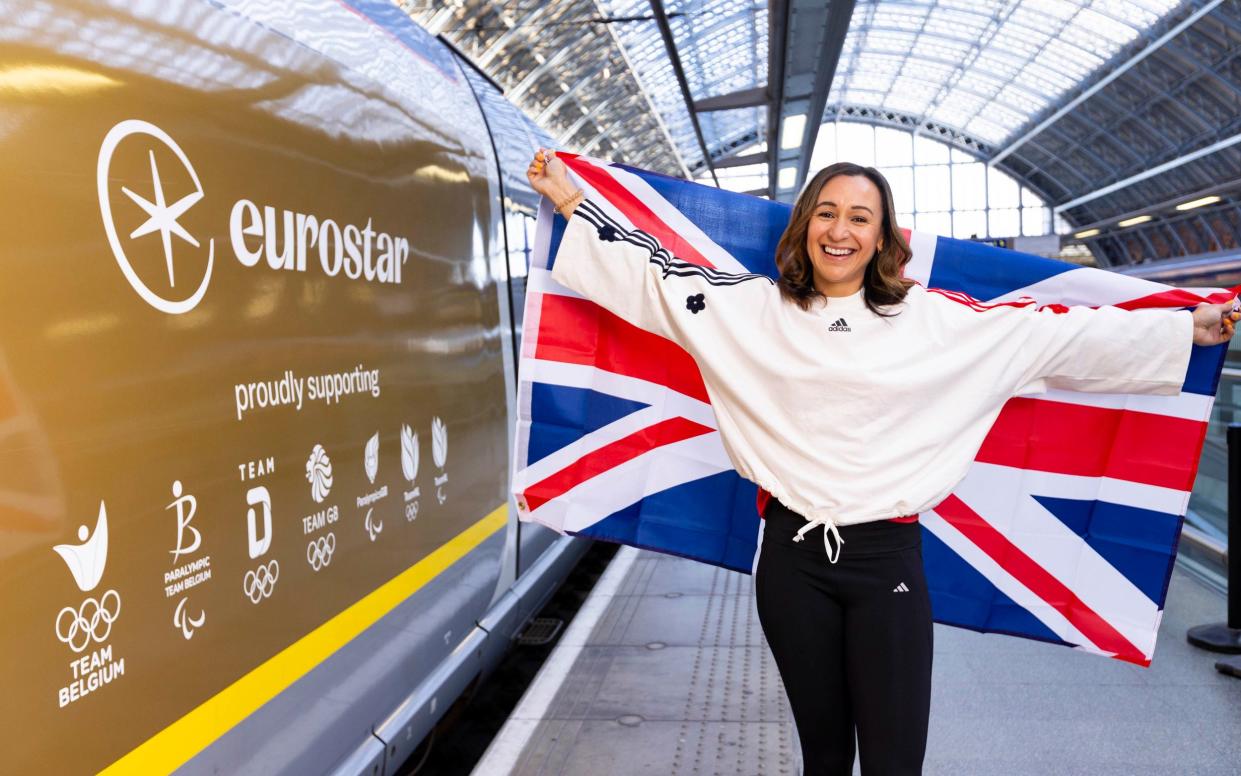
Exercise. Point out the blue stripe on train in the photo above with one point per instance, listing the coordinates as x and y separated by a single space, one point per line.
962 596
687 521
560 416
1140 543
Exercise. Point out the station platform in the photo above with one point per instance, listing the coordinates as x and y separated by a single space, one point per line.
665 671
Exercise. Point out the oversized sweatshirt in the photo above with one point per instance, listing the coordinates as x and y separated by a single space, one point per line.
841 414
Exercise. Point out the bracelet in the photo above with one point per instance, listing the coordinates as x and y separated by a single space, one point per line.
572 199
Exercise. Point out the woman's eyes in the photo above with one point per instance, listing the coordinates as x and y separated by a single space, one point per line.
855 219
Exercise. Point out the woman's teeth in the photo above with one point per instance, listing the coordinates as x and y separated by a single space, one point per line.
837 251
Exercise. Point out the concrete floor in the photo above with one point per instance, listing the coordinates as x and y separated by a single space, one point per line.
668 673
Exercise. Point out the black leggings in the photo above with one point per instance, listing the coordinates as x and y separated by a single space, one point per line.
853 648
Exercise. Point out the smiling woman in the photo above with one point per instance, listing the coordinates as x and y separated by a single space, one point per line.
856 400
842 238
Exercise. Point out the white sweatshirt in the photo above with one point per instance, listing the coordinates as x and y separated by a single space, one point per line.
846 416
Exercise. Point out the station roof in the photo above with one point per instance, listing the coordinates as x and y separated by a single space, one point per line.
982 67
1069 96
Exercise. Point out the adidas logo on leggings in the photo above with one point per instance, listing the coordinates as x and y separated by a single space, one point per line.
900 588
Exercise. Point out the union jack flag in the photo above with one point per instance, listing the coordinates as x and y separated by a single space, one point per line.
1065 529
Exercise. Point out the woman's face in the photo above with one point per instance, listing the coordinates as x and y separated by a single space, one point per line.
844 233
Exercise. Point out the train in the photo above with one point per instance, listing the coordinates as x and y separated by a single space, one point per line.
258 378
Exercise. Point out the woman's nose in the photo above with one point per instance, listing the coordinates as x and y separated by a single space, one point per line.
838 230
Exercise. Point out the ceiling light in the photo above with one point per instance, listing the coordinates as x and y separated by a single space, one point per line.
1134 221
1193 203
1087 233
792 131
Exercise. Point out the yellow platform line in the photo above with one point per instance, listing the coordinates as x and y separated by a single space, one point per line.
176 744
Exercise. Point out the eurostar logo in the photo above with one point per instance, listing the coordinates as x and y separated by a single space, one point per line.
162 218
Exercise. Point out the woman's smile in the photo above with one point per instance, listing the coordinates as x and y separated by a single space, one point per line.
844 233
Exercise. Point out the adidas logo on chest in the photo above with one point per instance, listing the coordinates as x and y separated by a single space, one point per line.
839 325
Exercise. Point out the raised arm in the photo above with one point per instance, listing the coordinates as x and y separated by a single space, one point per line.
550 177
1216 323
629 273
1109 349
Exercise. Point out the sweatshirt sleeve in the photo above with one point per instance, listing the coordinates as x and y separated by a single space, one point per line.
1103 350
628 273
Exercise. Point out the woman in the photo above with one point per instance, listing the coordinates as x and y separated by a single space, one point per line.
857 399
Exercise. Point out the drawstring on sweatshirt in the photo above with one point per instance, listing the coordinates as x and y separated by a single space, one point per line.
829 526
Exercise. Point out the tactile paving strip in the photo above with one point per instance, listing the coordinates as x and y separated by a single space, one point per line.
676 679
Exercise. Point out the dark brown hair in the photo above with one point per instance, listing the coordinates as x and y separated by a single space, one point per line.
883 284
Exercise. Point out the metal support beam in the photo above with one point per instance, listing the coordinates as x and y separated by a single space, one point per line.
741 161
837 24
517 30
1152 172
1109 78
811 36
665 31
746 98
777 44
533 76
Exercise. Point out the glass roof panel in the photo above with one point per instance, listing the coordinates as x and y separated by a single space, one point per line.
984 67
722 45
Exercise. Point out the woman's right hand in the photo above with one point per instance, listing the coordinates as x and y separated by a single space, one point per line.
549 176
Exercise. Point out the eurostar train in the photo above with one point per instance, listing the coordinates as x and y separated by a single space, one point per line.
260 313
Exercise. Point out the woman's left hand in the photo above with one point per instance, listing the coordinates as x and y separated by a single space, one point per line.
1215 323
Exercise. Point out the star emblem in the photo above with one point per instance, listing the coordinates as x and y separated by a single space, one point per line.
162 217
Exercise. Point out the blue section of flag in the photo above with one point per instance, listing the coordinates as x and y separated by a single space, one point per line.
559 224
1140 543
962 596
713 517
1204 366
561 416
718 212
986 272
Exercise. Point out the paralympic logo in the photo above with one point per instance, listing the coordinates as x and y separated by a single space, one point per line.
319 551
186 622
161 216
373 527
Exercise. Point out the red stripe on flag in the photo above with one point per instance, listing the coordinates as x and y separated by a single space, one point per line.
580 332
1175 297
1038 580
1064 438
609 456
641 216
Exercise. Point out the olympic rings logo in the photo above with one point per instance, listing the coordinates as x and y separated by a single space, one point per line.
259 583
319 551
92 621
